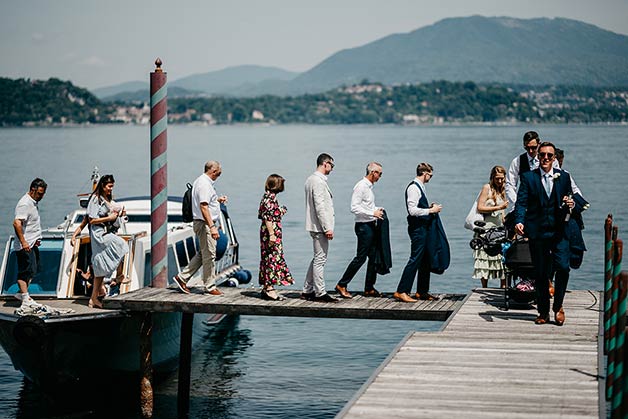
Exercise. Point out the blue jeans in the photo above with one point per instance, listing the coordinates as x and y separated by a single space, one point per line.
418 264
367 248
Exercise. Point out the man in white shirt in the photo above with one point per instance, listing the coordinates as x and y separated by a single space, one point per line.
319 222
366 216
206 212
419 220
27 226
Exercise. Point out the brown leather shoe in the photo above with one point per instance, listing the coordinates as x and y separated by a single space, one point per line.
215 291
426 296
403 297
372 293
559 317
182 285
542 319
343 292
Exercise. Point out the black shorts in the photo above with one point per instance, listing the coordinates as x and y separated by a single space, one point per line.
27 263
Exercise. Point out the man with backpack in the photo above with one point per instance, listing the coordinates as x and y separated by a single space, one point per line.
205 214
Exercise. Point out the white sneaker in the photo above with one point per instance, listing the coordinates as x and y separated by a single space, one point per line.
30 303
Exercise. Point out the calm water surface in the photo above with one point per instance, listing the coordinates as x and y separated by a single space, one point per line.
288 367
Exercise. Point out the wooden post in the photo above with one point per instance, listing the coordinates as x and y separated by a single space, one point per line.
185 364
608 278
158 177
146 365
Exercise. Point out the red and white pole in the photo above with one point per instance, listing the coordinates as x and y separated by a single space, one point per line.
158 177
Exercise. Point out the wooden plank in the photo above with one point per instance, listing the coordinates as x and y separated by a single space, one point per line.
490 363
248 302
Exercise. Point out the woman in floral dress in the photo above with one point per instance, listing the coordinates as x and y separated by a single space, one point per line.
491 203
272 267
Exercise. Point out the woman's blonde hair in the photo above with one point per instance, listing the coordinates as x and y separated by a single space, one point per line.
499 189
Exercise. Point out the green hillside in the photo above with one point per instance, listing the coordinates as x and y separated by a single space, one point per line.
51 101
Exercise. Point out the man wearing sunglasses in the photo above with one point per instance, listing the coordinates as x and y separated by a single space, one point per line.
543 201
319 222
521 164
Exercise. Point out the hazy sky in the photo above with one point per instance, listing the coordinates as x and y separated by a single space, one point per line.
105 42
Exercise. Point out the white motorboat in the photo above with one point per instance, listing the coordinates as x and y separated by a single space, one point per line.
54 347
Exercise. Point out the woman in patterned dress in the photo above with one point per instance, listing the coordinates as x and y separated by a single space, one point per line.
273 270
108 249
491 203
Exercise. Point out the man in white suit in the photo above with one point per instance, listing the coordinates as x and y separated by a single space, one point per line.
319 221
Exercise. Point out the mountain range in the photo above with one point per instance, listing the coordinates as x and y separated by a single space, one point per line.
539 51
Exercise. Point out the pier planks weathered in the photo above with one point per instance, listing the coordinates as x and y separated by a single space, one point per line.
490 363
248 302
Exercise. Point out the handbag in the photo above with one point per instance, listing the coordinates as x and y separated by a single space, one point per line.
518 255
473 215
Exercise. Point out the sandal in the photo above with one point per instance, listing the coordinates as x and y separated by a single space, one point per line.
267 296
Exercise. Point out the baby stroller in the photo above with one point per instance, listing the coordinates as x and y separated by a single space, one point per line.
519 273
516 254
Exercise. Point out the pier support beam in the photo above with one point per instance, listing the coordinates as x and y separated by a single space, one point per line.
185 363
146 365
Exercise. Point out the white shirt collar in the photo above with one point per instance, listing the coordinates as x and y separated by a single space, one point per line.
320 175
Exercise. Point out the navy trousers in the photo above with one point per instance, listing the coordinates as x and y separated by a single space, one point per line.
418 264
549 255
367 247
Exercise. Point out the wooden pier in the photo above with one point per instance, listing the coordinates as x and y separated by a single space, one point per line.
491 363
247 301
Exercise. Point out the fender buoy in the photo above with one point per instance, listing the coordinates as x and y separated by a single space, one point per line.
221 245
242 276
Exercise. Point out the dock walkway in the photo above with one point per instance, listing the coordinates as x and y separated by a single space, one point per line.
492 363
247 301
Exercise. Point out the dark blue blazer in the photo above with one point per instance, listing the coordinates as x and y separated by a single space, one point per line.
541 216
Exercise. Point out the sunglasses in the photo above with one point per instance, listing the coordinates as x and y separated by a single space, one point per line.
330 163
546 155
531 147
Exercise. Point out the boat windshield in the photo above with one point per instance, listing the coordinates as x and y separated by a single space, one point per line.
45 281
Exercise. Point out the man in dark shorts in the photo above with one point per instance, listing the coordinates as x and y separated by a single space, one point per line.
27 228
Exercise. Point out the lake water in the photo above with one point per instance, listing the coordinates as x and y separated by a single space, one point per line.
288 367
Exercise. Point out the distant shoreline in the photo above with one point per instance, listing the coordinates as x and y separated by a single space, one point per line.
266 124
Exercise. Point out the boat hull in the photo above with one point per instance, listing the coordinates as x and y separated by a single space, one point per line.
78 351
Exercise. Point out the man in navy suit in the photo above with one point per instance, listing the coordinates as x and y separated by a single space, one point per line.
543 201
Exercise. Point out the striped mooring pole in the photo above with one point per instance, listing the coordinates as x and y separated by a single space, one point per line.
608 278
158 177
614 365
620 343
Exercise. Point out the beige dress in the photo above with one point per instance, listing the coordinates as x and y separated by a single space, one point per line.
485 266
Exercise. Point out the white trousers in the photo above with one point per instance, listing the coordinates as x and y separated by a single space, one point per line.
314 280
